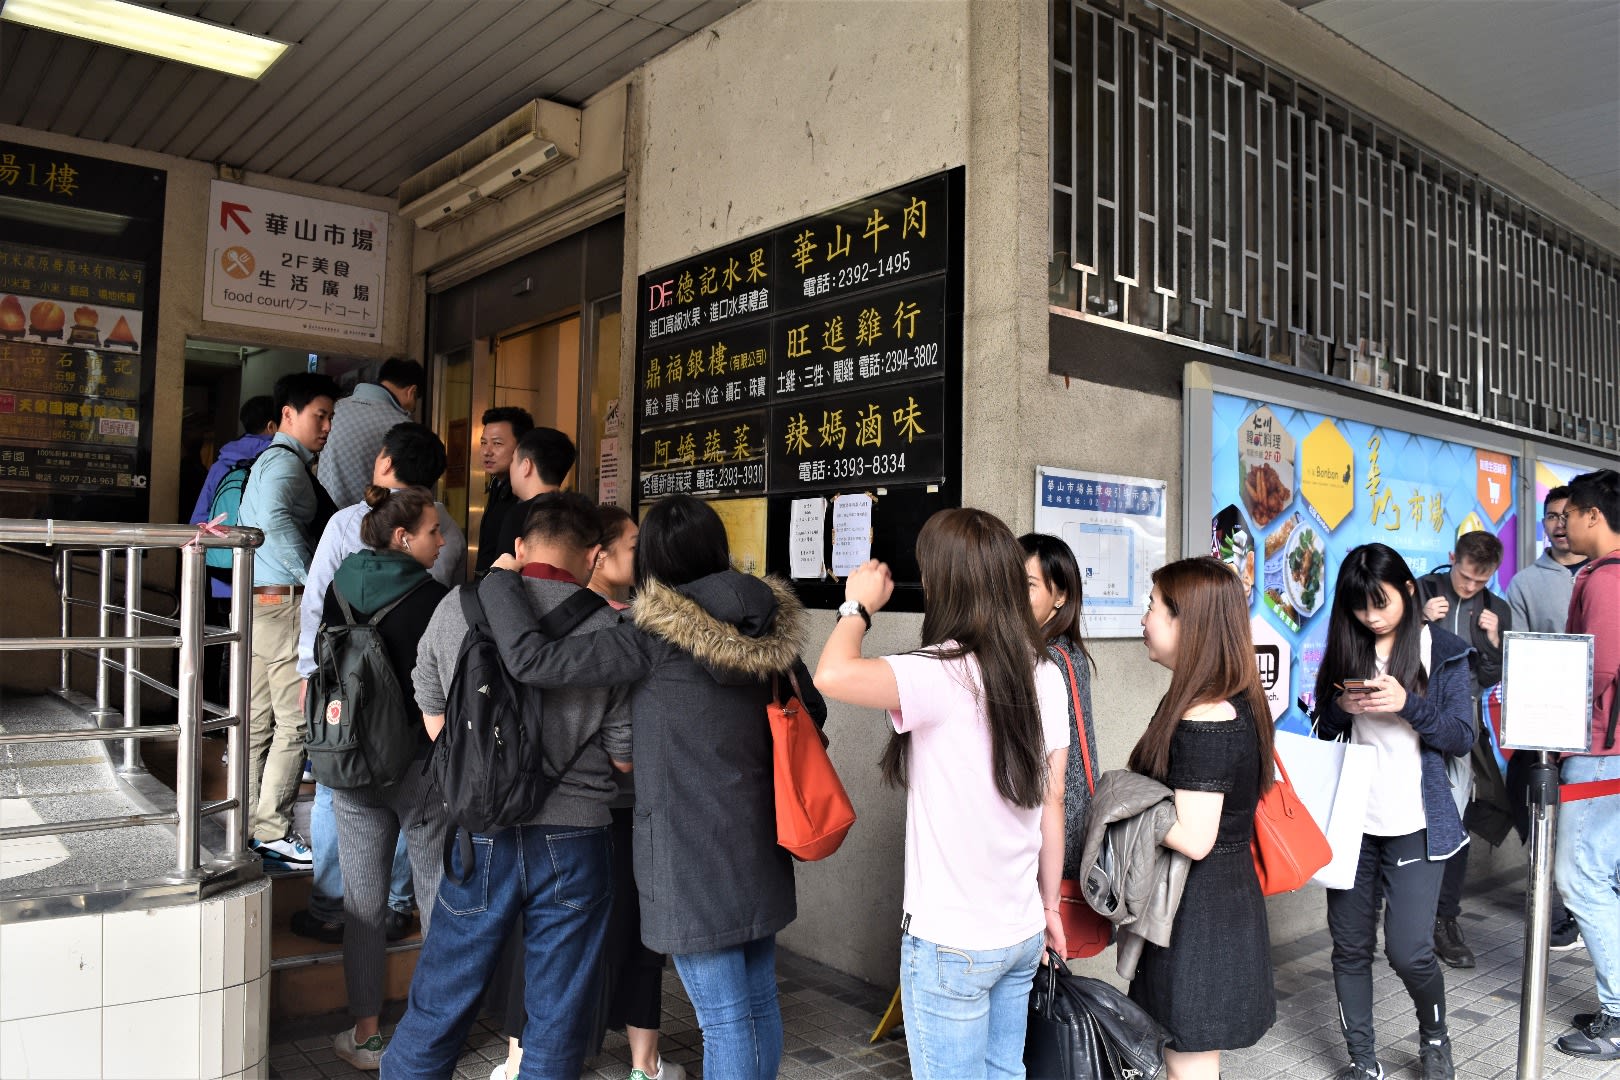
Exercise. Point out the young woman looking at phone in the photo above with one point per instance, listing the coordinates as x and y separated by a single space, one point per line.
1414 710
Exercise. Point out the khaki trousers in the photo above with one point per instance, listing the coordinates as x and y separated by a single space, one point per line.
276 734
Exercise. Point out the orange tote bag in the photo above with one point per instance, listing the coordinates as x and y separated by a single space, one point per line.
813 811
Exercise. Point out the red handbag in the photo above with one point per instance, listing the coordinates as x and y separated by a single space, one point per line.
1289 846
813 811
1085 931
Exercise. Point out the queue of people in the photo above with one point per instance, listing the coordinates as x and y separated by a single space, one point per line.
655 732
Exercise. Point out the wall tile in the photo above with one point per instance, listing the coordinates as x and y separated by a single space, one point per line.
256 934
256 1022
211 1035
151 954
51 1047
233 1018
51 966
151 1040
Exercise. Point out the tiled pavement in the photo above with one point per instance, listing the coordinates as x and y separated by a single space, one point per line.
829 1016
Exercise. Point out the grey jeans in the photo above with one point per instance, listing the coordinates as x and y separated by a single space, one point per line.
368 826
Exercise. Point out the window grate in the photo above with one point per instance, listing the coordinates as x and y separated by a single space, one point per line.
1199 192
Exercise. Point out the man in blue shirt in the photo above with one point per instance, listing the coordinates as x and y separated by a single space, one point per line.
359 424
283 500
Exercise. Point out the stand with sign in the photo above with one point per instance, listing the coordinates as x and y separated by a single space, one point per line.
1546 709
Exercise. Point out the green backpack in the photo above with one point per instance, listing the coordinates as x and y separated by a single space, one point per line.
363 732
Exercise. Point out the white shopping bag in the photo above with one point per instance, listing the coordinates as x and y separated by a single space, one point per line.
1333 780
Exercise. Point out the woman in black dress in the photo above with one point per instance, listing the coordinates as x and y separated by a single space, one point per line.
1210 741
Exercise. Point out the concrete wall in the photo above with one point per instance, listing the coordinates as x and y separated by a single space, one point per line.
778 111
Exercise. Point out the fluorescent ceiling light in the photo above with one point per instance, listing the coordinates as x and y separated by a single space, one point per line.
148 30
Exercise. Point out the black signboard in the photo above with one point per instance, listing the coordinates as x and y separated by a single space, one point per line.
718 371
894 435
712 456
78 328
717 288
895 335
831 344
895 236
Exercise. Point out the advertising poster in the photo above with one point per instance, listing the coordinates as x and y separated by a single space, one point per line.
1115 527
1294 490
1549 474
70 371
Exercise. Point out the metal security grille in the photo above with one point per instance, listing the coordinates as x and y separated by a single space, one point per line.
1201 193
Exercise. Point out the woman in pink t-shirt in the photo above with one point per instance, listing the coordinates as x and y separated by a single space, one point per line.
981 736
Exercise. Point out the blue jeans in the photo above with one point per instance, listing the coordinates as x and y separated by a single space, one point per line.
966 1009
1588 870
733 991
326 894
559 881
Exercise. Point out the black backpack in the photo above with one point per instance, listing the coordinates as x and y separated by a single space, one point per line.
363 730
489 763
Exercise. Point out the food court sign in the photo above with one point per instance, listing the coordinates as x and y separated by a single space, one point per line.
286 262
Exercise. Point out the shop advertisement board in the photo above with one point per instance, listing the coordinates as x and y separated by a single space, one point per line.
1115 526
819 359
1291 489
286 262
70 370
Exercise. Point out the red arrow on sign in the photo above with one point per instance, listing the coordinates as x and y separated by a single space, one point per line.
231 211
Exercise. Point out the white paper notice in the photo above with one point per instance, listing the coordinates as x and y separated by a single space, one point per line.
852 533
1546 692
807 533
607 471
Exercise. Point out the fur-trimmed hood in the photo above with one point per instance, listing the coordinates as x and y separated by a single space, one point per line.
738 626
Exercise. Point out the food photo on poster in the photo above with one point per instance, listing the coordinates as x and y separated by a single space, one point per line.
1292 490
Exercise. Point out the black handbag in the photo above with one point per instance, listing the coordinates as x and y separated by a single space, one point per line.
1084 1029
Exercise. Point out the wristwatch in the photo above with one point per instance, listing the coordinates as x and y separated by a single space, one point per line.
855 607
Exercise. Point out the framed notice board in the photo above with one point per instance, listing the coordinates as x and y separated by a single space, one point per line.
815 368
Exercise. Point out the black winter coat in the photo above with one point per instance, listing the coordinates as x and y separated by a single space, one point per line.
701 658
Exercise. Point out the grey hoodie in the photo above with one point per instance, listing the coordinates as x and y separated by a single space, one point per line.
1539 596
572 716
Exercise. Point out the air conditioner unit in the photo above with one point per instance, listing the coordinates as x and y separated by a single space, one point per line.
534 140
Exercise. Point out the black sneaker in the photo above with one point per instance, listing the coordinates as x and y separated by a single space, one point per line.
1565 936
396 924
304 924
1359 1071
1599 1040
1449 945
1435 1058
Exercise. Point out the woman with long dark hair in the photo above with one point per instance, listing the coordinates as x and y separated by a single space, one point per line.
1401 687
1055 598
1210 741
980 743
707 648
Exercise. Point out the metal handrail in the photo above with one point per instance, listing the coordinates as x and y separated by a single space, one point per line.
110 540
23 553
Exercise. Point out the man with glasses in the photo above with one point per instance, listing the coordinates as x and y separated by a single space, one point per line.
1588 860
1539 600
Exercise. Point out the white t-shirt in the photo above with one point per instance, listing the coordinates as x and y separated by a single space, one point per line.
971 856
1395 803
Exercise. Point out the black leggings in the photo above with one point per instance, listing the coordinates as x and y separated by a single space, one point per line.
1399 868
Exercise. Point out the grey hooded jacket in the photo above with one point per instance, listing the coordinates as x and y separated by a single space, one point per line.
702 658
1128 875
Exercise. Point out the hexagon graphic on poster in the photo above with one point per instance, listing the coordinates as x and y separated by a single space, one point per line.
1276 659
1327 473
1265 466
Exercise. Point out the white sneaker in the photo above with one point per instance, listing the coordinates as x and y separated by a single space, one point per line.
667 1070
362 1055
290 851
499 1072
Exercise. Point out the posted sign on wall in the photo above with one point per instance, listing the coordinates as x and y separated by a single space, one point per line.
285 262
